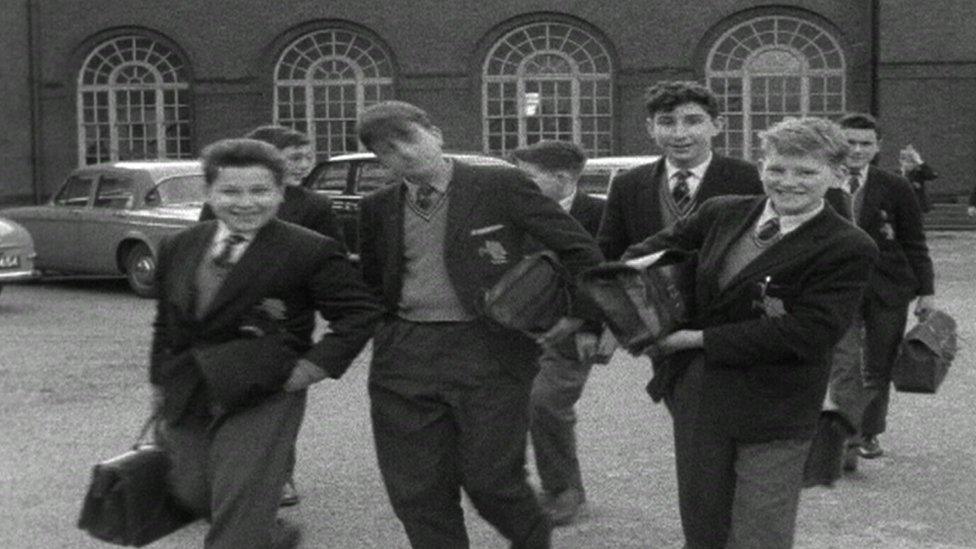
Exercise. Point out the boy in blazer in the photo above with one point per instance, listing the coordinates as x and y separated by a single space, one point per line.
778 281
243 276
885 207
449 389
555 166
682 119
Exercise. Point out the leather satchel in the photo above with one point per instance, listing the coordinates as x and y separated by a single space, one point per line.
243 372
925 354
531 296
643 299
129 501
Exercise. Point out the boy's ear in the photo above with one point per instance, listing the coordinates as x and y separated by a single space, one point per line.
719 122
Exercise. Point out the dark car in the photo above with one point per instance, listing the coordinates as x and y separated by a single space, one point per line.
108 219
347 178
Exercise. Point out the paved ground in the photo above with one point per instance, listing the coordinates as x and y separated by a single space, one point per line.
73 392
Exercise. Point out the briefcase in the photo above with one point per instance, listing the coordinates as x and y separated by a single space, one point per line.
531 296
925 354
129 501
644 299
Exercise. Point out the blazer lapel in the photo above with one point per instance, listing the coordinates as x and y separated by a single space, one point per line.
712 263
462 197
184 276
252 270
647 199
392 220
871 200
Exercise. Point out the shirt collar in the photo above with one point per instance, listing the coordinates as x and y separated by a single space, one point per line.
787 223
439 186
223 232
567 202
697 172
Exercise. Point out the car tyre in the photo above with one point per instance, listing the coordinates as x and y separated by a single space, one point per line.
140 270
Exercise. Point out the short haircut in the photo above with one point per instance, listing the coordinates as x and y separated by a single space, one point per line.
389 120
279 136
860 121
667 95
809 136
553 156
241 153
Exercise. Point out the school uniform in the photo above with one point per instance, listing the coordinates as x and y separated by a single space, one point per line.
770 314
449 389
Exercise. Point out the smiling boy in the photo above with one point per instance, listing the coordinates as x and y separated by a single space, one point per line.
779 279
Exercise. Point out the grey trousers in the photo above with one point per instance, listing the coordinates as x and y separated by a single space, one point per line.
234 473
884 328
556 389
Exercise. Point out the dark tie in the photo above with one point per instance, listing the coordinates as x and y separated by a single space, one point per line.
425 197
229 245
854 181
681 192
768 231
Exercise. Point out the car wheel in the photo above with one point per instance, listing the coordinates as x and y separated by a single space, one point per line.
140 270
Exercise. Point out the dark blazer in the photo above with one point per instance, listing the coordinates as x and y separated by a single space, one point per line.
285 266
491 211
588 210
302 207
769 333
890 215
633 210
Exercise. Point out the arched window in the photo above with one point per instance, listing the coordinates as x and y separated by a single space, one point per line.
133 102
547 81
769 68
322 81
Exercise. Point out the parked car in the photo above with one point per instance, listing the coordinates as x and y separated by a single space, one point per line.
600 171
16 253
108 219
347 178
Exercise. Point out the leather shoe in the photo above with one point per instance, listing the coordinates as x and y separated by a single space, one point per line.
564 508
870 448
289 495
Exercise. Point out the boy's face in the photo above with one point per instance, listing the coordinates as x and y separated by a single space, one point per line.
417 155
556 185
684 134
299 161
796 183
864 145
245 198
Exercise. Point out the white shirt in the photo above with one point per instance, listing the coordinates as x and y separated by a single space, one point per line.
787 223
218 242
694 180
567 202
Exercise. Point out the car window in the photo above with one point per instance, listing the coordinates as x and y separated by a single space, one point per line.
595 181
183 190
372 176
331 178
76 191
114 192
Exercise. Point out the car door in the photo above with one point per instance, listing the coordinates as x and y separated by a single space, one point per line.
100 228
53 226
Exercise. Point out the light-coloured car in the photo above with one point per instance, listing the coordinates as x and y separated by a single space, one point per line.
346 178
108 219
600 171
16 253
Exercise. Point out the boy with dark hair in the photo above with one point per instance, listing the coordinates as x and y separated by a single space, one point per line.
301 206
215 280
884 206
449 389
682 119
555 166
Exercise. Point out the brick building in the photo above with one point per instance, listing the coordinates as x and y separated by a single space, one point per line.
110 79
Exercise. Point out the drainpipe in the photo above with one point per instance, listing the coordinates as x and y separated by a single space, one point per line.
33 82
875 18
